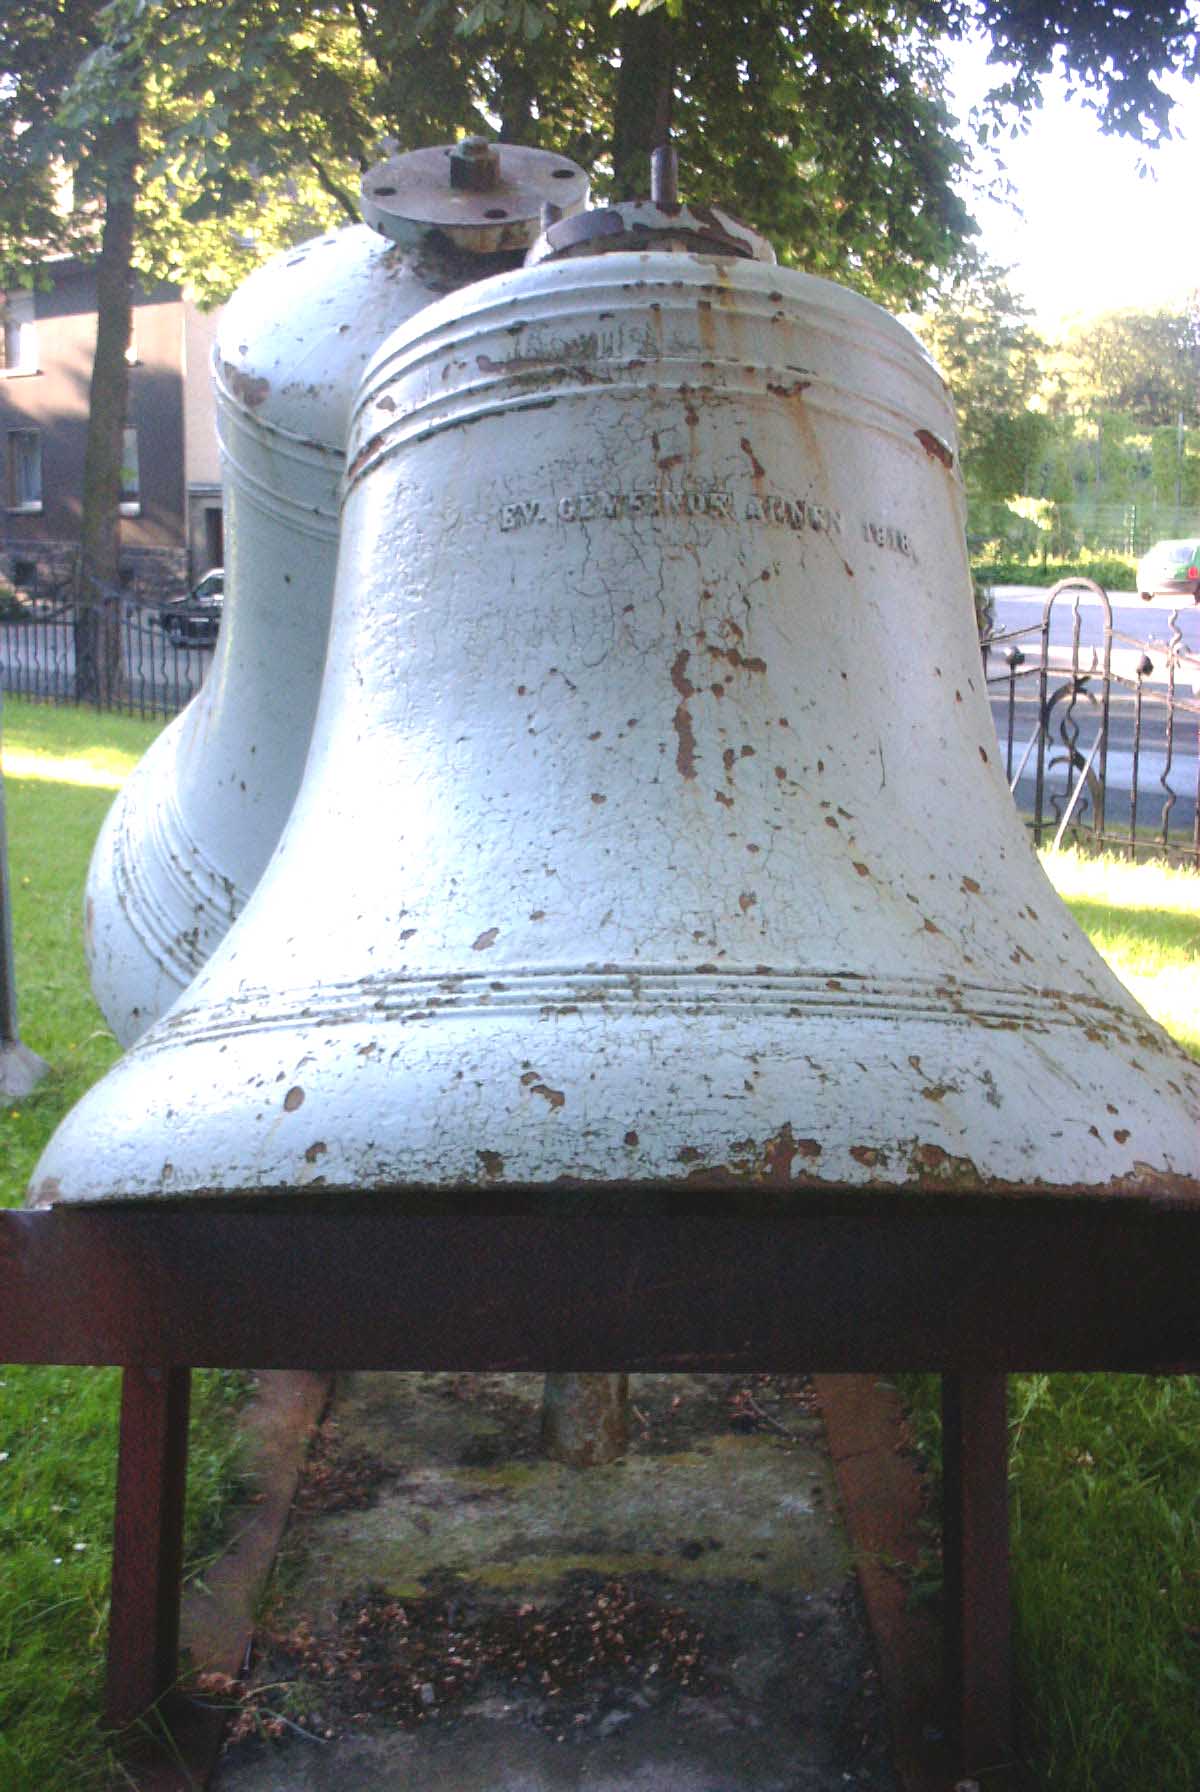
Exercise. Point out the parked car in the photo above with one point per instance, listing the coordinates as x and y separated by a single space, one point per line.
1170 569
195 617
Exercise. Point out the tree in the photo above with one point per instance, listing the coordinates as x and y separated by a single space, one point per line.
979 335
200 135
45 136
1145 364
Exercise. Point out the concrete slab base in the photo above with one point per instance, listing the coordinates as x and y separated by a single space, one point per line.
431 1531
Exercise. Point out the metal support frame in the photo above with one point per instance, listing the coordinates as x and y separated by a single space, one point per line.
973 1289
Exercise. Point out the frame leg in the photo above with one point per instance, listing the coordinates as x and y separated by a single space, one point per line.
143 1630
978 1622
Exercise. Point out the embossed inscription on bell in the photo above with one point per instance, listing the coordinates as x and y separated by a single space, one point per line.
635 841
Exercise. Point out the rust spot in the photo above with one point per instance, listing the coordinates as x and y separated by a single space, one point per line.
631 1139
833 983
728 759
598 798
831 821
251 390
485 940
1120 1134
755 463
317 1149
779 1154
689 1154
737 660
723 797
865 1154
792 391
937 1091
863 870
537 914
685 752
555 1097
983 756
364 454
491 1163
935 447
746 901
807 1148
293 1099
970 886
930 927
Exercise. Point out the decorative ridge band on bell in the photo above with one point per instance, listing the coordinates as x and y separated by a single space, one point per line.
456 377
192 829
619 857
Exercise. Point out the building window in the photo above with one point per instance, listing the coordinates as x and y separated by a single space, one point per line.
131 502
24 469
18 335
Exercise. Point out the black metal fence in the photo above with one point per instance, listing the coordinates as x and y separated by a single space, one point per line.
1100 738
48 651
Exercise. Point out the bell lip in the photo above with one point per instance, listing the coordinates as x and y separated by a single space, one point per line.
701 1194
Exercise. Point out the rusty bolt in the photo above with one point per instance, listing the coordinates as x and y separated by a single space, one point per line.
474 165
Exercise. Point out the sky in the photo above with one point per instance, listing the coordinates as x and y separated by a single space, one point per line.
1094 237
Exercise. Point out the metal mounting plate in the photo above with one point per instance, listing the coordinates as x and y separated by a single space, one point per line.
410 196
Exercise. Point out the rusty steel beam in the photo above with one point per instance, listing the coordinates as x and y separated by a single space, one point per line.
143 1625
1058 1285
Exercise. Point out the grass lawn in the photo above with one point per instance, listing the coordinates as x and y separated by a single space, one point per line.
1105 1469
58 1426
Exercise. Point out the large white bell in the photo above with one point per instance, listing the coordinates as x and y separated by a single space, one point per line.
652 828
189 834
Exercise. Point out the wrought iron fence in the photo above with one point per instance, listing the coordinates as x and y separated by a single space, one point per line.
1100 741
48 650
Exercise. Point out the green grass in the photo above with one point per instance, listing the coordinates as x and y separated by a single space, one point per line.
58 1426
1105 1469
1145 920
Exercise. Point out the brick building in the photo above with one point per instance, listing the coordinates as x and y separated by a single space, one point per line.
171 499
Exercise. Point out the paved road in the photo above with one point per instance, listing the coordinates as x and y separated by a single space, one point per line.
1137 627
